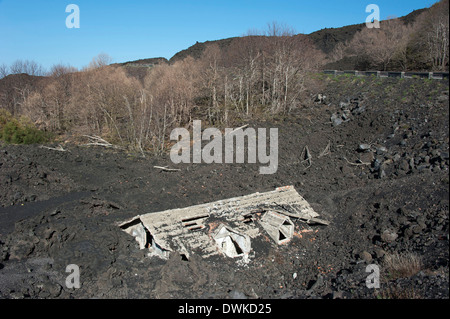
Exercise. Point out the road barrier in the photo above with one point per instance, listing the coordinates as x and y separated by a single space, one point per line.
392 74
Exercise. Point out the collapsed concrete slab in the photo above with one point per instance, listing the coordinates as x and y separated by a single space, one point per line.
278 226
224 227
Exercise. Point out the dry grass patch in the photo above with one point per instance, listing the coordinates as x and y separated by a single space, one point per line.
402 265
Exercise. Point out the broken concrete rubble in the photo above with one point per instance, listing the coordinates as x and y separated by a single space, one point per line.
231 242
279 227
225 227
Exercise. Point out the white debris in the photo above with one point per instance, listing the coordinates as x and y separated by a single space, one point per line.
223 227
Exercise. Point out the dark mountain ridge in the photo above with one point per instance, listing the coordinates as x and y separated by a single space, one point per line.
325 39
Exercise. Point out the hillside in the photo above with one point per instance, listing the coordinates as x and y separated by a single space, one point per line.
198 48
325 40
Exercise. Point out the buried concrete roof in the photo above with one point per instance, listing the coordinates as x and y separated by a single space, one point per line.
222 227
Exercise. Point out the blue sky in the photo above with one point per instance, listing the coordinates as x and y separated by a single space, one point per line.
131 30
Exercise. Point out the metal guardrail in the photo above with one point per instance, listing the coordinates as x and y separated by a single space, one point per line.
392 74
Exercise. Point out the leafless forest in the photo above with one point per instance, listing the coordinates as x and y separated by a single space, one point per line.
256 75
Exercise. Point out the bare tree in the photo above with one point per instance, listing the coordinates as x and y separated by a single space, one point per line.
28 67
99 61
211 65
437 35
17 67
4 70
289 57
338 52
402 56
381 45
276 29
245 63
58 70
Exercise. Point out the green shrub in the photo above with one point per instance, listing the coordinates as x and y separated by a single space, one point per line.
22 131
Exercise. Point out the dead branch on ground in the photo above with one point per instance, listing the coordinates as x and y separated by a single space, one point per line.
165 168
357 164
98 141
326 151
59 148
